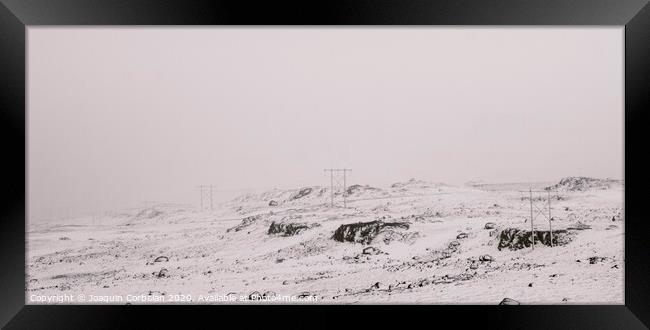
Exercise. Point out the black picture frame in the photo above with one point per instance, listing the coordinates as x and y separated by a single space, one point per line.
17 15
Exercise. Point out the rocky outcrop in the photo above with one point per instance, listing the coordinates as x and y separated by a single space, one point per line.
301 193
508 301
581 183
357 188
289 229
365 232
245 223
515 239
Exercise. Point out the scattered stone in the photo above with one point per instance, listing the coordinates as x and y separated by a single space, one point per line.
268 294
473 265
508 301
530 285
64 238
162 273
579 226
595 260
490 225
565 299
285 282
273 203
305 294
371 250
255 295
161 259
461 236
454 244
486 257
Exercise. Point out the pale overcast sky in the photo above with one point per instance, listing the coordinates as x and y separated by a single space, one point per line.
118 116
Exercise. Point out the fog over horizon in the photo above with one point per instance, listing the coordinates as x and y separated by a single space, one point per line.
120 116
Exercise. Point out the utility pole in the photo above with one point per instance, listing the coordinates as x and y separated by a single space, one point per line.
550 226
212 188
532 228
332 170
211 208
345 191
201 188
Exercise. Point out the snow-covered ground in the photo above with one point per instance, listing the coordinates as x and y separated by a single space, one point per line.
168 254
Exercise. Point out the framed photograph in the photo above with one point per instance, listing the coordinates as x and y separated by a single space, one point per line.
451 156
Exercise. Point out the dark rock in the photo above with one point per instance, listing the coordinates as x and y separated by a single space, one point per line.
508 301
268 294
289 229
486 257
149 214
515 239
530 285
273 203
595 260
301 193
371 250
490 225
255 295
245 223
305 294
162 273
461 236
579 226
64 238
358 188
365 232
583 184
454 244
161 259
